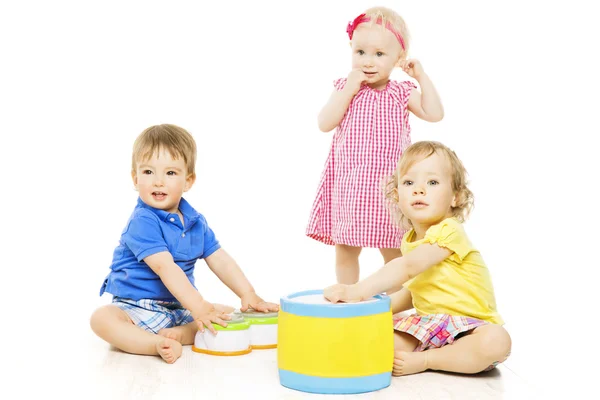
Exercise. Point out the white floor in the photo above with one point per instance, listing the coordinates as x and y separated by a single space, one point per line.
116 375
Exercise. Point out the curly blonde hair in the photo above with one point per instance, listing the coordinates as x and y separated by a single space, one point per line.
391 16
417 152
172 138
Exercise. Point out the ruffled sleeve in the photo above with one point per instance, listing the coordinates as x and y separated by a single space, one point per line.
451 235
406 86
400 91
339 83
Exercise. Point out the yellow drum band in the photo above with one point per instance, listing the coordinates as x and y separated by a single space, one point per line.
359 346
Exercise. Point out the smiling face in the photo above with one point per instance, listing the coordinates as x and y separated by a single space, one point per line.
161 180
425 194
375 51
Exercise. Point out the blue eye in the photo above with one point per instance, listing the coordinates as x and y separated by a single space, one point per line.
407 183
433 183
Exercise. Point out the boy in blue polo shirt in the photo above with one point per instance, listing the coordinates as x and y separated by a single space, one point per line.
156 308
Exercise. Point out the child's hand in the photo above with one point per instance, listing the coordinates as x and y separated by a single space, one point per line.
252 300
223 308
412 67
355 78
341 293
206 313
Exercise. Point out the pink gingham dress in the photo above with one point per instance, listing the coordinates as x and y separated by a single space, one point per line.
350 207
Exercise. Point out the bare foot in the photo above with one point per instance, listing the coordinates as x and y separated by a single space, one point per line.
184 334
169 350
171 333
406 363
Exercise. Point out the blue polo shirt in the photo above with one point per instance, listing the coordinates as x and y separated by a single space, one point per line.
150 231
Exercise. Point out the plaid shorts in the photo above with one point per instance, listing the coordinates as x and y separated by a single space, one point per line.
154 315
437 330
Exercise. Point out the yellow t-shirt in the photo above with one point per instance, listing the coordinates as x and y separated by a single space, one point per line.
460 285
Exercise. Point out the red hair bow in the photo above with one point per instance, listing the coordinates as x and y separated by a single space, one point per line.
352 25
363 18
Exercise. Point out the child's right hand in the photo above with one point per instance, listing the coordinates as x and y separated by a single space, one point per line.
355 78
206 313
342 293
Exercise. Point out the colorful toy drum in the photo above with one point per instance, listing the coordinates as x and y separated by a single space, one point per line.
233 340
335 348
263 329
244 332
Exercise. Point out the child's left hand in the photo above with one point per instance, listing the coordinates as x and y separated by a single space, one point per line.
412 67
252 300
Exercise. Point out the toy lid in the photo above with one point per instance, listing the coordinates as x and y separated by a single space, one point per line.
312 303
236 317
317 298
259 314
261 318
236 323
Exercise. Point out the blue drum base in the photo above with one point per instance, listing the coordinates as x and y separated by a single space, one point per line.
317 384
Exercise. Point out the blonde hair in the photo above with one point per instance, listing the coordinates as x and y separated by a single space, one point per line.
391 16
177 141
417 152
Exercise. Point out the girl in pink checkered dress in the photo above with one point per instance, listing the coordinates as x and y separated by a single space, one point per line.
371 113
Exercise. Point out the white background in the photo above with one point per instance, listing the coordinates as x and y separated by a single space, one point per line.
80 80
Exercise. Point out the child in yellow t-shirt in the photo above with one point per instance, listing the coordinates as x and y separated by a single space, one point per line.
443 276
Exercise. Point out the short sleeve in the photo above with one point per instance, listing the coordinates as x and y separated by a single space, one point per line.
211 244
143 236
406 87
451 235
401 91
339 83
